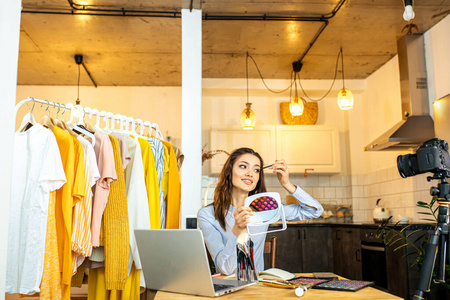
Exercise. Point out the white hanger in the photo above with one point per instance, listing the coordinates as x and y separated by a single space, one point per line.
130 128
79 112
130 122
29 117
158 132
123 123
115 118
97 114
109 125
88 111
146 124
137 122
101 114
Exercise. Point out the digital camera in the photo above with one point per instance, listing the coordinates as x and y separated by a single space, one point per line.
432 156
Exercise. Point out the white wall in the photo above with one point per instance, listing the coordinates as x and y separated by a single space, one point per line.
224 100
437 47
381 110
161 105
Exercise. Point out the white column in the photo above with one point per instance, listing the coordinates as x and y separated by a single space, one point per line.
191 113
9 54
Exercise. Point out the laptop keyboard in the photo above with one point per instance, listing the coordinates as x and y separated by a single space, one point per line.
219 287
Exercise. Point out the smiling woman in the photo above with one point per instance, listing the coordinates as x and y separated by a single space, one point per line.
227 217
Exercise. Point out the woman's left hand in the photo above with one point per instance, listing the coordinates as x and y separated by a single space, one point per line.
282 171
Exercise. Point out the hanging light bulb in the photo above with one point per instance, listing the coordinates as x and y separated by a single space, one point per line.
248 118
296 105
345 96
345 99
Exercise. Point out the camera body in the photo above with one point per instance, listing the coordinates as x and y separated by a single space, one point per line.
432 156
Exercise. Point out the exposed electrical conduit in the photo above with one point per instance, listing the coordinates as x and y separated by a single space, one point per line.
123 12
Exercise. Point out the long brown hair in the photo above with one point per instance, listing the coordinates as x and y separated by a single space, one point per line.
222 193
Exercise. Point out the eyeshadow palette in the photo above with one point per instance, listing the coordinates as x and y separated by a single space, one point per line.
263 203
307 281
344 285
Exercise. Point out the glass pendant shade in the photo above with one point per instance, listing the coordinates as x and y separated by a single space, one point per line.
345 99
296 106
248 118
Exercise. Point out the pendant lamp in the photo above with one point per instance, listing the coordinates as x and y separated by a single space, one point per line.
345 96
297 103
248 117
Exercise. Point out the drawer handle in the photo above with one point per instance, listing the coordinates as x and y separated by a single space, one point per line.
358 255
373 248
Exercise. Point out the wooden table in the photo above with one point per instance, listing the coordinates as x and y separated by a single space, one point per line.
261 291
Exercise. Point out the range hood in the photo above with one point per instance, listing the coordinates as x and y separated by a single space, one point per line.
416 126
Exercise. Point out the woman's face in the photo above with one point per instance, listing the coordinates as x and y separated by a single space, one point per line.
246 170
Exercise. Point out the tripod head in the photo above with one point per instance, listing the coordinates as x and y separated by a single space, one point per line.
442 191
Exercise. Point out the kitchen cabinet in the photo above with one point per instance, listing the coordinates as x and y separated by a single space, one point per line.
311 147
317 249
347 252
303 249
396 266
289 249
228 138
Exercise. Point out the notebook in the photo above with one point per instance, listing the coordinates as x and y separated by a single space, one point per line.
175 260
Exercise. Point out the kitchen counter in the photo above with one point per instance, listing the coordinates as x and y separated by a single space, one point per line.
368 225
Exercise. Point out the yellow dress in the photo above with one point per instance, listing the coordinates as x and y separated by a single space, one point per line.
72 156
165 179
51 278
173 200
151 182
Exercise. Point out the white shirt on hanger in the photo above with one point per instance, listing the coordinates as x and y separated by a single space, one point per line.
37 170
138 210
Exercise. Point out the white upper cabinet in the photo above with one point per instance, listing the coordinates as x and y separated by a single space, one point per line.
314 148
311 147
261 139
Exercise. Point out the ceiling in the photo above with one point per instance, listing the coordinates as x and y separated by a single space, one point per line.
146 51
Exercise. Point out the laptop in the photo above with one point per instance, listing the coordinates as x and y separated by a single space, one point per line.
175 260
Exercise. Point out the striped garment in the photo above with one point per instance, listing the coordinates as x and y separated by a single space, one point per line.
158 153
82 211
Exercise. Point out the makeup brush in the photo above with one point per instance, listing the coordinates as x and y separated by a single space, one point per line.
268 166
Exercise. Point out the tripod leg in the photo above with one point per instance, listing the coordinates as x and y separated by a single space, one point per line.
423 285
442 253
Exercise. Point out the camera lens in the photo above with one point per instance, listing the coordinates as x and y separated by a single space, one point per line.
407 165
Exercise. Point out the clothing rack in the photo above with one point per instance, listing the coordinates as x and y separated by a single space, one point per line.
79 112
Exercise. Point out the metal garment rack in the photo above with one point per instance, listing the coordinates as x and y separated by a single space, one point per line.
80 112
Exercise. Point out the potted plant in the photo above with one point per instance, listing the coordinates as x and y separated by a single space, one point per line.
413 238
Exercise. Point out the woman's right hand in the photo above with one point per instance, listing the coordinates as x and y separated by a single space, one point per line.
241 219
